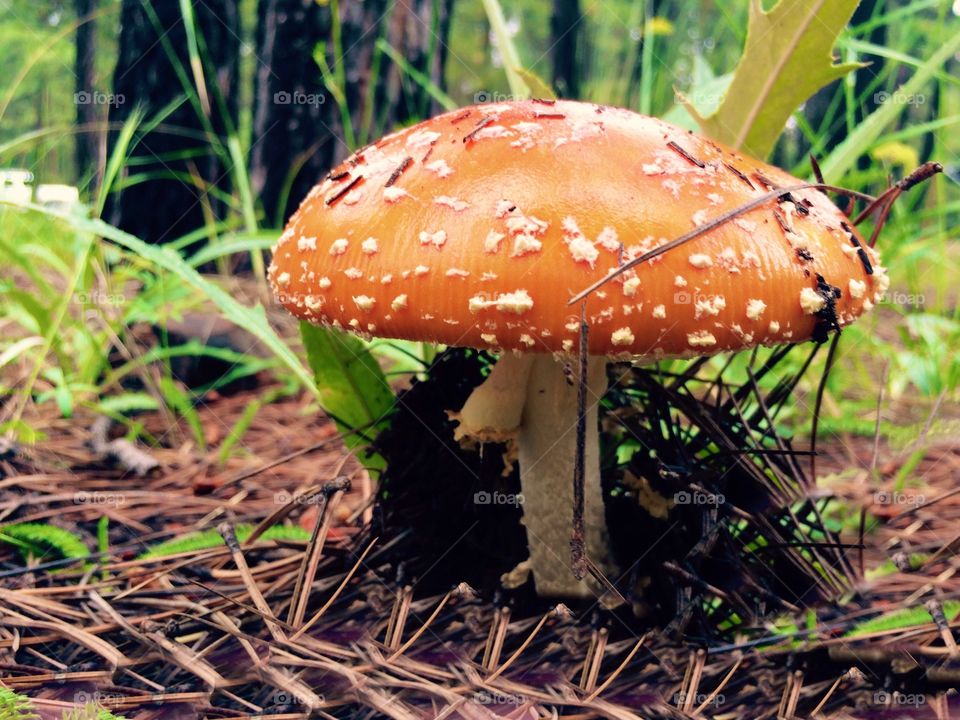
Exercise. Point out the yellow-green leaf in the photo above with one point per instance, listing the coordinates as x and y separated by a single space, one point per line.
538 87
786 59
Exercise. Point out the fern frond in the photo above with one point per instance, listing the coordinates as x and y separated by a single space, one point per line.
90 711
910 617
14 706
40 540
206 539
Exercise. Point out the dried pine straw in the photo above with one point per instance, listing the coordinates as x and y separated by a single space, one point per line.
400 618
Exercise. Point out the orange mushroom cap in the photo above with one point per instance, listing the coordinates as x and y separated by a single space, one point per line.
476 227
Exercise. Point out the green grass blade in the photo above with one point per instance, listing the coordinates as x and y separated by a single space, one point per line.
508 50
245 243
117 157
193 50
447 102
252 319
844 157
242 181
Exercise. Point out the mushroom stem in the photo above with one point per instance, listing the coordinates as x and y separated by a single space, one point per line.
527 399
493 411
547 451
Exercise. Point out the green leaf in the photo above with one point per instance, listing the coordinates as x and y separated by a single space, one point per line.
353 389
786 59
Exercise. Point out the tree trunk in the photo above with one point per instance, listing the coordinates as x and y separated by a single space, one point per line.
292 115
565 22
87 147
817 105
298 127
183 157
418 30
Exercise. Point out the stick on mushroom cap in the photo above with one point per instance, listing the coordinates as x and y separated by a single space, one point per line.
476 227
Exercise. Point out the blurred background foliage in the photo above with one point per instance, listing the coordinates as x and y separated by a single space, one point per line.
124 303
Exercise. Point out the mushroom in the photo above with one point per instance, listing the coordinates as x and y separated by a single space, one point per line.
475 228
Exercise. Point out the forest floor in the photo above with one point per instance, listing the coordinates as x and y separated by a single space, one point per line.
109 631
